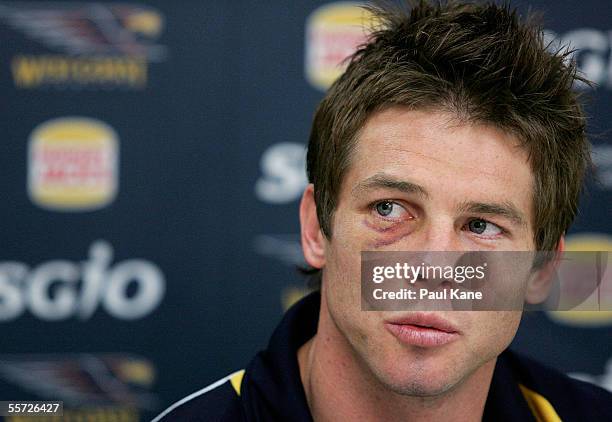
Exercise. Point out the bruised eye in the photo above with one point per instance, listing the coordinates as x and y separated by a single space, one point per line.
484 227
389 209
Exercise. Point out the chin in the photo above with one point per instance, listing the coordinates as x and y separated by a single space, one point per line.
420 379
419 389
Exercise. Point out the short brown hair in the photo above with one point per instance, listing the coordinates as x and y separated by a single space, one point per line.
484 63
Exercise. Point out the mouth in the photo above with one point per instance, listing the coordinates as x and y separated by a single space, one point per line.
422 330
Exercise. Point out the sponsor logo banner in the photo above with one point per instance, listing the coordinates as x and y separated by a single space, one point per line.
73 164
283 173
82 382
585 242
83 45
333 33
58 290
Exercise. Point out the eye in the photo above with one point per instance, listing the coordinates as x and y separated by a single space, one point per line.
484 227
389 209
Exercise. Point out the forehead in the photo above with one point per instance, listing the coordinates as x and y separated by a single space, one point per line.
443 154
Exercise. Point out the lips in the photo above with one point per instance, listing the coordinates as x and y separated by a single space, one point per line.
422 330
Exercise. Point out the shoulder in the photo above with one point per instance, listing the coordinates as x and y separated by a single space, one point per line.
545 386
217 402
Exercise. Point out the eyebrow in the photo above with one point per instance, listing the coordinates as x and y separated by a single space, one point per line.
382 180
505 209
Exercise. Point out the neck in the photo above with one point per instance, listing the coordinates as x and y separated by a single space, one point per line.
338 386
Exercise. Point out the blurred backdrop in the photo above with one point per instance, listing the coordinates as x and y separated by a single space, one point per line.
152 159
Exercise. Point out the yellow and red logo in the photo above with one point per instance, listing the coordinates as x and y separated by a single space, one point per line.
333 33
73 164
587 242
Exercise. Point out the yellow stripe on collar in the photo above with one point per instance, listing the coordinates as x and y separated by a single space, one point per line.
236 380
540 406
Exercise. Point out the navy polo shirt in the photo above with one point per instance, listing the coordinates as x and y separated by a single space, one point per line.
270 388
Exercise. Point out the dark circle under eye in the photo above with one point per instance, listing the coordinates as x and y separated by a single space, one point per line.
384 208
477 226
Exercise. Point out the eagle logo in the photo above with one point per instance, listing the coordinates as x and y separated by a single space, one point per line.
84 379
88 28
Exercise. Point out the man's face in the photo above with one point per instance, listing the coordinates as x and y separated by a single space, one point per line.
424 181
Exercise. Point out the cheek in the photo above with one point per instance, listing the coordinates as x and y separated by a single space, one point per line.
342 268
342 278
349 238
494 330
342 289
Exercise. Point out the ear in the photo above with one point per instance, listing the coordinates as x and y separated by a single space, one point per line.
313 241
540 283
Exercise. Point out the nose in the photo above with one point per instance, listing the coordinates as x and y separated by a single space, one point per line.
440 234
437 244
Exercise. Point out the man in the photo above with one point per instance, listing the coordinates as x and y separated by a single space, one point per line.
453 129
